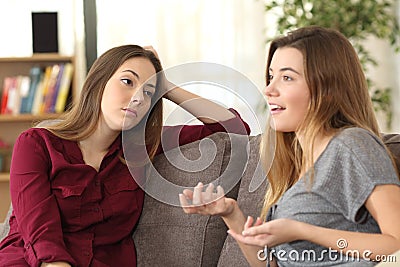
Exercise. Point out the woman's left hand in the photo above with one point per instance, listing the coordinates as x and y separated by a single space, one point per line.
167 85
270 233
151 48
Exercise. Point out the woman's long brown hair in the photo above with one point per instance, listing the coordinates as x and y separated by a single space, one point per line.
82 119
339 99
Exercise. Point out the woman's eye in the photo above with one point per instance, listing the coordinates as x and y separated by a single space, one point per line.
127 81
287 78
148 93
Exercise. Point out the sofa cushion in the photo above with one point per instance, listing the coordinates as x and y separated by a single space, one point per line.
392 141
250 202
165 235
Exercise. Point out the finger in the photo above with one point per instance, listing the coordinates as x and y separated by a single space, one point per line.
248 223
208 194
151 48
188 193
220 192
183 200
197 192
250 240
210 188
256 230
258 221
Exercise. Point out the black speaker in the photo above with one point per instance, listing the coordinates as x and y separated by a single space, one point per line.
45 32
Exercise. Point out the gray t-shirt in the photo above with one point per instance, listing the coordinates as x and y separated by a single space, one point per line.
352 164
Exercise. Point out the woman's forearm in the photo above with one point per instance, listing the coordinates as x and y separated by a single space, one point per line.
368 245
235 222
205 110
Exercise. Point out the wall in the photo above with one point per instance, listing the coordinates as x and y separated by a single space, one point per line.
226 32
387 74
16 29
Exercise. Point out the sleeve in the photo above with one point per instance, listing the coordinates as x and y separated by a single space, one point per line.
360 163
174 136
35 207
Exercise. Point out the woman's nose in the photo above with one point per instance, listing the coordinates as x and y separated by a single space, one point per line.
270 89
138 96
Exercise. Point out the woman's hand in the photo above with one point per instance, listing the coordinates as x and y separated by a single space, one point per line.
205 110
270 233
167 86
55 264
151 48
208 202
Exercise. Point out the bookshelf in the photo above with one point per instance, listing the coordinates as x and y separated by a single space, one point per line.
12 125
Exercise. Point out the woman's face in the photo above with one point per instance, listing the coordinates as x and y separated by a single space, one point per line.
287 92
127 94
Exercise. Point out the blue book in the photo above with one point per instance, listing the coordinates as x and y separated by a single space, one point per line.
26 105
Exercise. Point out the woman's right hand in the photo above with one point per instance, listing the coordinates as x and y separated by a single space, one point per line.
206 202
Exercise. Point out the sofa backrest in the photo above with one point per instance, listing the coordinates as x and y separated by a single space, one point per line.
392 141
165 235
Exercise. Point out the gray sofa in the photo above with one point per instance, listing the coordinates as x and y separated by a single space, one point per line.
166 236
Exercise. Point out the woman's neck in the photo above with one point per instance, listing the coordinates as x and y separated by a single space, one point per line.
95 147
319 144
100 140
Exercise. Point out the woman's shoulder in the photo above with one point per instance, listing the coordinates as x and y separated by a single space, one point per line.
39 133
356 137
357 143
361 148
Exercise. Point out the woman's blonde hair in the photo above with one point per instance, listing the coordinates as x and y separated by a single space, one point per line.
339 99
82 119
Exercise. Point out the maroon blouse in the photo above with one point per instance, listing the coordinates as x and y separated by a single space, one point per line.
65 210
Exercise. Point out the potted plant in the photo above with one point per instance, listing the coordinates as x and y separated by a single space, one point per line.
356 19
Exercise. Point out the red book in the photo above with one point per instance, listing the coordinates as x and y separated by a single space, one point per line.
7 83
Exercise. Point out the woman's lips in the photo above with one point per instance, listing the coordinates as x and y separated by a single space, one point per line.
130 112
276 109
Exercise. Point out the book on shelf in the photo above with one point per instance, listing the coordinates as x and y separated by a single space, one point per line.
50 90
23 83
53 100
43 91
14 94
65 85
37 98
26 103
4 98
38 104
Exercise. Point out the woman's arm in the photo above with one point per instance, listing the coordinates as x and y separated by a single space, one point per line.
215 203
383 204
203 109
34 205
